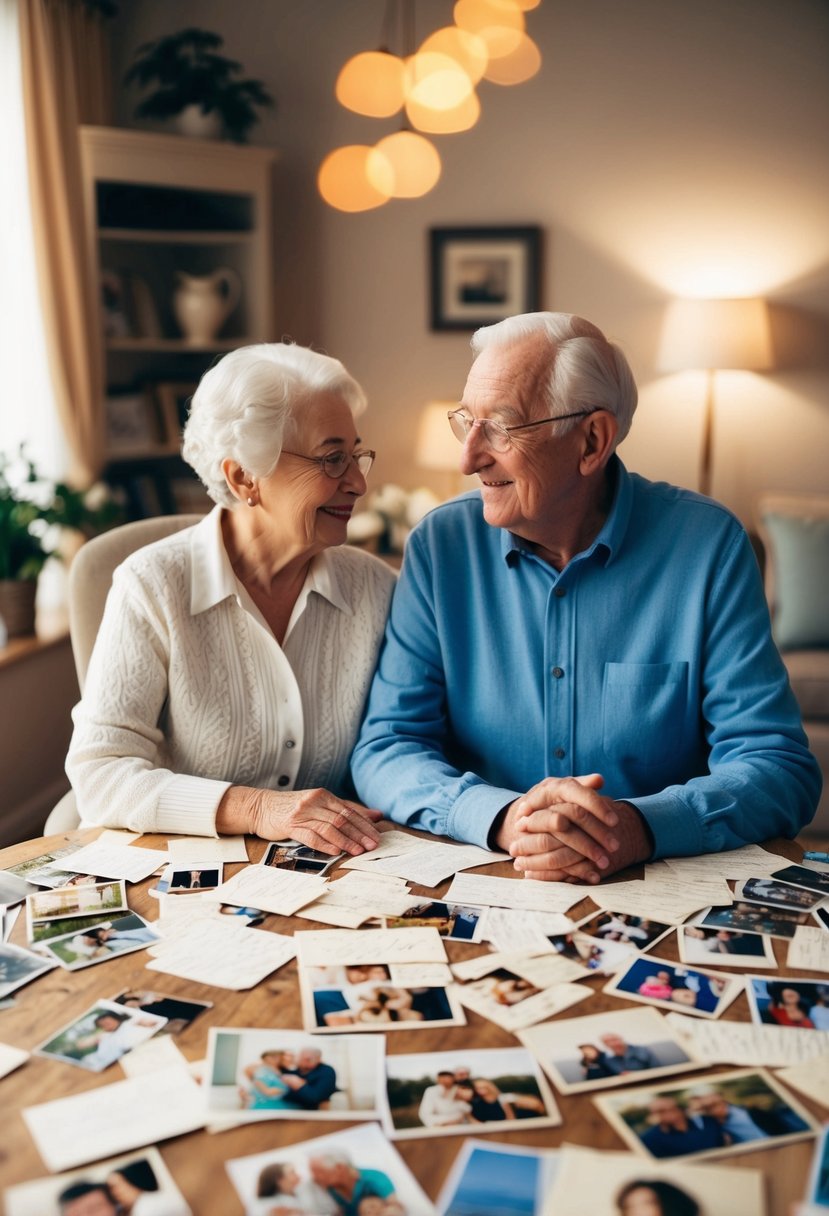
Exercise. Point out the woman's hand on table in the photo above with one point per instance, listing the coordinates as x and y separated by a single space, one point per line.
316 818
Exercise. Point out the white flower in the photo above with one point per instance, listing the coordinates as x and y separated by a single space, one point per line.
365 525
96 496
390 500
421 502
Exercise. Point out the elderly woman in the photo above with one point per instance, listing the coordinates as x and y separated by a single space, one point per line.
234 658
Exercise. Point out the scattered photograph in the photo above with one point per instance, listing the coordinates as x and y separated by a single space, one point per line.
507 1179
43 930
363 997
655 981
789 1001
802 876
754 918
638 931
291 855
179 1013
205 879
102 1035
724 947
776 894
601 956
446 1093
137 1183
97 945
452 921
821 915
607 1049
18 966
258 1074
14 889
253 916
354 1171
722 1114
37 870
817 1191
83 900
592 1183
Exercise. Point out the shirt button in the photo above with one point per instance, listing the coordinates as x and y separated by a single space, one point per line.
283 780
559 593
559 753
290 743
558 672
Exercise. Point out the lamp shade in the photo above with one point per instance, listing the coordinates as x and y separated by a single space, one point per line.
713 334
436 446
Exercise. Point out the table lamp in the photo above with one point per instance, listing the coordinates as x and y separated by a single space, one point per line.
436 447
710 335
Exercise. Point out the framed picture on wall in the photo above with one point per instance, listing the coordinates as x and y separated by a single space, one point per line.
133 425
481 275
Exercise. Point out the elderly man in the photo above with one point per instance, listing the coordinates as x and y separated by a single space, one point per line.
674 1133
621 1056
312 1082
578 665
348 1184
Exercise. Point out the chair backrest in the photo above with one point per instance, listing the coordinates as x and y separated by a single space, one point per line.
90 576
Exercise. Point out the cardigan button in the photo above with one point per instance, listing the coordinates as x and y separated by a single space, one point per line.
283 780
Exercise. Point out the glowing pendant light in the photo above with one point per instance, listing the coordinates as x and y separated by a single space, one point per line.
444 122
371 83
436 81
520 65
355 178
468 50
500 23
414 160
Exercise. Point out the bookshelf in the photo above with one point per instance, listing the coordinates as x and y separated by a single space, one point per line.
156 206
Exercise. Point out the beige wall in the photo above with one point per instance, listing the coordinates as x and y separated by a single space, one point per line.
667 147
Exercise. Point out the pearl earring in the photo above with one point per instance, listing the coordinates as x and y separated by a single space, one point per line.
251 501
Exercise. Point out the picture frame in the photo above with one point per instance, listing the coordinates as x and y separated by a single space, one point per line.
133 424
482 275
173 399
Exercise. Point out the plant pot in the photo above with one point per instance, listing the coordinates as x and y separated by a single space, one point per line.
198 123
17 606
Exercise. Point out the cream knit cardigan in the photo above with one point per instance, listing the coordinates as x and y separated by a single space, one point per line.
188 691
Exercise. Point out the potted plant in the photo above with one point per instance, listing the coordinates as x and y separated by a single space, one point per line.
193 79
30 509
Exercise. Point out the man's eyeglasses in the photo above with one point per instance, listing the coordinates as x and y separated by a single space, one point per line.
497 436
335 464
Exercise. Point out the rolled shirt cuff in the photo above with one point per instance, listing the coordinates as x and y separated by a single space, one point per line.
474 812
187 805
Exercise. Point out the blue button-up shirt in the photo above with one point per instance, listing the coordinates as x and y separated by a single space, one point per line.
648 659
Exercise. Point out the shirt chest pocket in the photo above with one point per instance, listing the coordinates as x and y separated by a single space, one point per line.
643 708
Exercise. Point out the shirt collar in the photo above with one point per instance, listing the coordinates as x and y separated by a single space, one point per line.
212 578
609 539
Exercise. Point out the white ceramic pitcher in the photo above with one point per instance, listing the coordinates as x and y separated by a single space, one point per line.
202 303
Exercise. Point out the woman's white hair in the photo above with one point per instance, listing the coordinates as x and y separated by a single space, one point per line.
585 370
244 406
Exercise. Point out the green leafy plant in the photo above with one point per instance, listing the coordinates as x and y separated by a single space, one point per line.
31 507
188 71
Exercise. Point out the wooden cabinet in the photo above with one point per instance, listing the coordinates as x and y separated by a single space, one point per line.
159 207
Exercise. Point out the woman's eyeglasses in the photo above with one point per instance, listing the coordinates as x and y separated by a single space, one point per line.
335 464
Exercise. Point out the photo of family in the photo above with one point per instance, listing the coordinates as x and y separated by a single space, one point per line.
777 894
724 947
285 1074
638 931
754 918
452 921
727 1113
655 981
291 855
351 1173
102 1035
134 1184
607 1049
803 1004
106 940
506 1179
589 1183
363 997
18 966
442 1093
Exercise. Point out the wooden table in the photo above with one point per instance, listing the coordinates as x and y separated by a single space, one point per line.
197 1160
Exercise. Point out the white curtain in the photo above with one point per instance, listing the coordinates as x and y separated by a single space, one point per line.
28 410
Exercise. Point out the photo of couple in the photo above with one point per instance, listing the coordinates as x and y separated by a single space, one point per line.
122 1186
261 1074
440 1093
362 996
351 1173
